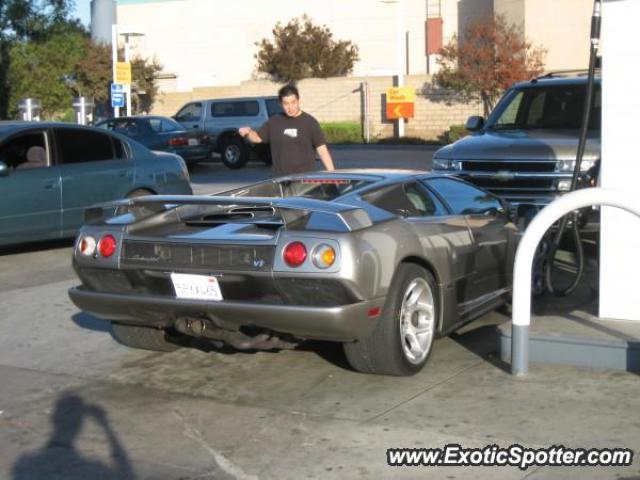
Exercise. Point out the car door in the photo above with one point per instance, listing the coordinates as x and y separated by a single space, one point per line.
445 238
94 168
487 219
191 116
31 189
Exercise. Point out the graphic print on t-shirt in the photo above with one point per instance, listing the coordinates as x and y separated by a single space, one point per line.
291 132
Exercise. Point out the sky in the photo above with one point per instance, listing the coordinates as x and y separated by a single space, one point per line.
82 10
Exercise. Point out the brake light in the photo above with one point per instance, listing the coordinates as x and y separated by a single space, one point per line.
107 246
87 246
323 256
295 254
178 142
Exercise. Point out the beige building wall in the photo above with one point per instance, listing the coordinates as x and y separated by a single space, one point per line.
212 43
561 27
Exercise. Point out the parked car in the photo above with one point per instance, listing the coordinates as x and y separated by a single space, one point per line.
381 261
221 118
526 150
50 172
164 134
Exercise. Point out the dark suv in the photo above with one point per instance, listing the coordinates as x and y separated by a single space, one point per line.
525 152
220 119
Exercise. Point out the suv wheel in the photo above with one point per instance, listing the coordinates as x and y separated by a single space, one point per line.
403 338
235 153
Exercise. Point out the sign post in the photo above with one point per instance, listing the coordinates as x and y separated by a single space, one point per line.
117 95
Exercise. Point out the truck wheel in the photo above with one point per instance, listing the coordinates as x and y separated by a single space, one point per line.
145 338
403 339
235 153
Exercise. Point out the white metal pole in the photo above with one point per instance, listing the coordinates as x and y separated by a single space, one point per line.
114 59
521 310
400 53
127 87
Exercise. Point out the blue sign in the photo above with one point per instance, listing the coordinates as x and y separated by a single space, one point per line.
117 95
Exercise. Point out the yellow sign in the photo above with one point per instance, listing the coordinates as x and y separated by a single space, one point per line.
401 95
123 73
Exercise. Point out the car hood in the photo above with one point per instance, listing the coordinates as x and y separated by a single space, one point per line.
521 145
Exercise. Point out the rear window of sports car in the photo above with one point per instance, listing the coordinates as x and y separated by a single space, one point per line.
316 188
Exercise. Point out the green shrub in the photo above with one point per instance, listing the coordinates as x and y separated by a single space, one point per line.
404 141
455 133
342 132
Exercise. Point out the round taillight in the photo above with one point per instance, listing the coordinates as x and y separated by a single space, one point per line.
87 246
324 256
295 254
107 246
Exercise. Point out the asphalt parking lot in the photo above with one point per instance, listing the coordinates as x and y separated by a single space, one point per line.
74 404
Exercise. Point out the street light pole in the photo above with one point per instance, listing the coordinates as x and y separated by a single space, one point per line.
400 54
114 60
127 87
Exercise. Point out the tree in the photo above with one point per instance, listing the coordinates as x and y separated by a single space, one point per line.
301 49
25 20
144 73
44 70
490 56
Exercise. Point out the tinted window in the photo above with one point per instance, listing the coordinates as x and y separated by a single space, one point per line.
408 200
273 107
557 107
463 198
28 150
246 108
170 125
77 146
317 188
190 113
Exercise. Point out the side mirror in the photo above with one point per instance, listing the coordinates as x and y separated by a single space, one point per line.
474 123
4 169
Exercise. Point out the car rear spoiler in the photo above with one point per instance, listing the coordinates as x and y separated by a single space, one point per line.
287 209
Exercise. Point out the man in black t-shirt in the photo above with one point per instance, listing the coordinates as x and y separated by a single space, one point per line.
294 136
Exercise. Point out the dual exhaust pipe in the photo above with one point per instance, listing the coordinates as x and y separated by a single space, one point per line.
204 328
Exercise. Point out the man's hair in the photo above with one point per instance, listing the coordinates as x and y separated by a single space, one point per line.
288 89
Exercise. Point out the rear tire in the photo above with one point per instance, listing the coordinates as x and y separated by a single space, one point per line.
145 338
403 339
235 153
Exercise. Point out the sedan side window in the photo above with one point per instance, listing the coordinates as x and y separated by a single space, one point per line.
80 145
26 151
465 199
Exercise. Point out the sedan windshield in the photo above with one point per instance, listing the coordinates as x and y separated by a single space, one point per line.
556 107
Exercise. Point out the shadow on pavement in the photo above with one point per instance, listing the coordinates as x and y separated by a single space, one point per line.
89 322
60 457
36 246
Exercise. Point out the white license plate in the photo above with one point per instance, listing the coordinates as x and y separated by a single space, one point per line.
194 141
196 287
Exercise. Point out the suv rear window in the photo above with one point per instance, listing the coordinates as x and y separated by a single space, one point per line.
553 107
244 108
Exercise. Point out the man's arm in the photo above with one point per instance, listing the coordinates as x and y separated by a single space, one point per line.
250 134
325 157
